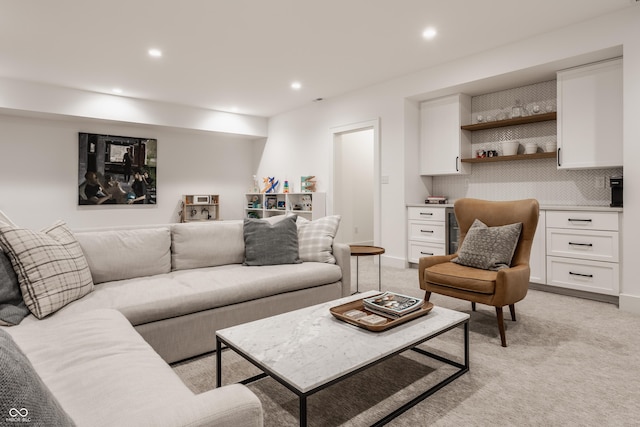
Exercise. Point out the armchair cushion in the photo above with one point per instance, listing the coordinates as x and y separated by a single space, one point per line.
461 277
489 248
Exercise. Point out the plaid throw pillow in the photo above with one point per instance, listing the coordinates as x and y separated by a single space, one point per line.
50 266
315 238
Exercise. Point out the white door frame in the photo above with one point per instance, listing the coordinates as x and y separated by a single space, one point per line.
336 132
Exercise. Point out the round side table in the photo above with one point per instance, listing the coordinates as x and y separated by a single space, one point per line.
365 250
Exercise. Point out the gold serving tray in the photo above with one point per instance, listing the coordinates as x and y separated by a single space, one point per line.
338 313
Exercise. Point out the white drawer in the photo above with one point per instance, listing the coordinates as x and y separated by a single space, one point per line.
418 250
590 276
583 220
583 244
432 214
430 231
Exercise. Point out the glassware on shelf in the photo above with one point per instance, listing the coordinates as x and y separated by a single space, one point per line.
516 110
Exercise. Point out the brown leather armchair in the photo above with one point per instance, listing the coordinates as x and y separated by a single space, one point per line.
496 288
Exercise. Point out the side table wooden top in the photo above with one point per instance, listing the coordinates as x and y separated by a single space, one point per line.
358 250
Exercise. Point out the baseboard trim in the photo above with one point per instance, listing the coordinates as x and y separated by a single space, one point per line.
611 299
630 303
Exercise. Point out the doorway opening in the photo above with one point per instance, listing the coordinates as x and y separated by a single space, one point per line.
356 177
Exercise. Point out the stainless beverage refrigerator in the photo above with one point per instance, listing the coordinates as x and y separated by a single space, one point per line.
452 232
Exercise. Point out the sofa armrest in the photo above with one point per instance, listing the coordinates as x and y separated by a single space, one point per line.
342 253
231 405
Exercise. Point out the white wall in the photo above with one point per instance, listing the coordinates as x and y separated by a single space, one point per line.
394 102
39 172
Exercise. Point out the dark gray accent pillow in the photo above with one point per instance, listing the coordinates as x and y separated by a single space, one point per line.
25 399
489 248
12 306
270 244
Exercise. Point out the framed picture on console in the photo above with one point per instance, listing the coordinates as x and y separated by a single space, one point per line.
116 170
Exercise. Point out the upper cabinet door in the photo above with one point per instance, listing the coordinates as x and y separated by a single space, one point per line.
442 143
590 116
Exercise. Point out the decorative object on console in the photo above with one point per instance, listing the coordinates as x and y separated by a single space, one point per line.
308 184
285 187
436 200
270 184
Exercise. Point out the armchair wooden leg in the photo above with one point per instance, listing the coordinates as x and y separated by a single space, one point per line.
512 309
500 317
427 295
473 306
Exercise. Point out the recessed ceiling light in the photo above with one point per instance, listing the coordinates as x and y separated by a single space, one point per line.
296 85
116 90
156 53
429 33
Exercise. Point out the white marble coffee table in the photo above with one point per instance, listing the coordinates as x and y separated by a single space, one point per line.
307 350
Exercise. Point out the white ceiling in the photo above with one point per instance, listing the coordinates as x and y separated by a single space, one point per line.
219 54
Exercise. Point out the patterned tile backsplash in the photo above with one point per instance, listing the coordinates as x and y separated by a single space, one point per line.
539 178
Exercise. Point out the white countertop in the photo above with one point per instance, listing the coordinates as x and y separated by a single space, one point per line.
542 207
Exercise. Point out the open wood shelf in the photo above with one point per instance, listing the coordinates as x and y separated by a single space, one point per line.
550 155
544 117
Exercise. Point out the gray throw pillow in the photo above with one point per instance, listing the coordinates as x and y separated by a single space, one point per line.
270 244
12 306
489 248
25 399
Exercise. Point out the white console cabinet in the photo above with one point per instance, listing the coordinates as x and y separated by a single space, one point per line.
426 231
583 251
590 116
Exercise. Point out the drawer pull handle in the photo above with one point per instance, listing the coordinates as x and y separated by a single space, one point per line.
581 244
426 253
580 220
580 274
426 231
426 213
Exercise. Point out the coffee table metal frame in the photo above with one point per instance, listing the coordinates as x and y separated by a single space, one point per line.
462 369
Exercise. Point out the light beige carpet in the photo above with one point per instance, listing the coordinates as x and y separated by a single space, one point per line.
570 362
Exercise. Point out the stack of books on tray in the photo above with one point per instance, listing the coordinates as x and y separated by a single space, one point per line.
392 305
436 200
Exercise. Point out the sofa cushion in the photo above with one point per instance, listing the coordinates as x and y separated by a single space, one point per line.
24 397
125 254
270 244
50 266
315 238
489 248
195 245
12 306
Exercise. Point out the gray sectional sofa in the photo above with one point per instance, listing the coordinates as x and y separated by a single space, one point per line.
174 285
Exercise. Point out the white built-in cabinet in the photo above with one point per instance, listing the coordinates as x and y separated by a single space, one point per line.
427 232
590 116
583 251
442 143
